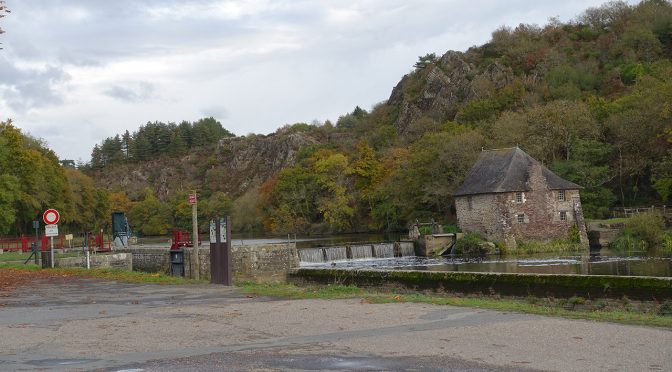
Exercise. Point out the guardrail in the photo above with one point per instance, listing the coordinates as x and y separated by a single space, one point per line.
628 212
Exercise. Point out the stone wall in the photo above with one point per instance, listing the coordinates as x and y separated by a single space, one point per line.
123 261
265 262
480 214
149 260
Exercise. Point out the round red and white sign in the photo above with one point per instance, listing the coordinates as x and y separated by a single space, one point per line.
51 216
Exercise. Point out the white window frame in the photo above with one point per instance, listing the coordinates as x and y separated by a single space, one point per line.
518 197
561 195
563 216
520 218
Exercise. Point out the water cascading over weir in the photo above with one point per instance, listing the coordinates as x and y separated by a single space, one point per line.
356 252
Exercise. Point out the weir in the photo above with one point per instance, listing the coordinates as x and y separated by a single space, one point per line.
356 251
361 251
313 255
383 250
335 253
406 249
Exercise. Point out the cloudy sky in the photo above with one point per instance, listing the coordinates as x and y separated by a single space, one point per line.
76 71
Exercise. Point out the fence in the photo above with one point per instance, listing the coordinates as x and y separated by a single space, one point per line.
14 244
633 211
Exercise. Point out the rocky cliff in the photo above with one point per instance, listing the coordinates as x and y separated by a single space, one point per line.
233 166
439 89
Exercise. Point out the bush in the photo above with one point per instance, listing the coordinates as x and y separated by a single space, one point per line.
471 245
667 243
642 232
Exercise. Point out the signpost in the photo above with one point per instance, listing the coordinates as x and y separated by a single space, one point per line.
36 226
194 236
51 218
51 230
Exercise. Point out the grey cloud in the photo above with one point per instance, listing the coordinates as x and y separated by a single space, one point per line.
140 92
26 88
217 112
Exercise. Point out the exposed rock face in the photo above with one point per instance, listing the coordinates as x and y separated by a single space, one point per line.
440 89
249 161
234 166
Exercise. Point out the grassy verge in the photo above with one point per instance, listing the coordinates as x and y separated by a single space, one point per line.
108 274
22 256
622 311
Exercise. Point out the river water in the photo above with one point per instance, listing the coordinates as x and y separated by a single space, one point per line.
604 262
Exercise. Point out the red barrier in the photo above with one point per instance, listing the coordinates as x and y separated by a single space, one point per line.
14 244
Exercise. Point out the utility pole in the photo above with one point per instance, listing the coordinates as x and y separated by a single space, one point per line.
194 236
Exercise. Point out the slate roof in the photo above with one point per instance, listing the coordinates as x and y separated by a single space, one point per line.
506 170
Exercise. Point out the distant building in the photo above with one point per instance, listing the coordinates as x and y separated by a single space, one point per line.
68 163
510 197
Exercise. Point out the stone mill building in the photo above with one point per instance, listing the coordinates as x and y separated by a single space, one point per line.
510 197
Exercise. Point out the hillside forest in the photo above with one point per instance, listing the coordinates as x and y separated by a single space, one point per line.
590 98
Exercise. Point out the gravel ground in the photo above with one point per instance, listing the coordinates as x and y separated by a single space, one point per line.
84 324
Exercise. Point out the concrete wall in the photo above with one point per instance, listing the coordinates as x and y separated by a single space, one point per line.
122 261
495 216
265 262
432 245
514 284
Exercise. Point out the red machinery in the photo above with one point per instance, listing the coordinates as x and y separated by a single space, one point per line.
181 239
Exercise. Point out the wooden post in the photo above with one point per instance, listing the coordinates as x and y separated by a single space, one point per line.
194 238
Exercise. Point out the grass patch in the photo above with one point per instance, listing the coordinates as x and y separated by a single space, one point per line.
109 274
598 310
22 256
555 246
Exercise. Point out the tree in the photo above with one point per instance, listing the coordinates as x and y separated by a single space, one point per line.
426 60
9 194
3 12
247 213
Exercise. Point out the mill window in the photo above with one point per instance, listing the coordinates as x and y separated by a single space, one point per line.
561 195
470 204
519 197
521 218
563 216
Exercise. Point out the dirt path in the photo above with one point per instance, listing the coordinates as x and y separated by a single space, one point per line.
82 324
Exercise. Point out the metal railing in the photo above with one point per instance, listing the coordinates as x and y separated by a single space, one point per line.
628 212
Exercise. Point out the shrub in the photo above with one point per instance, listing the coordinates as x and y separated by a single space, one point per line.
667 243
649 227
471 245
642 232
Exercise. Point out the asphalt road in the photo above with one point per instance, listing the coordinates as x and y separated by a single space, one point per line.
86 324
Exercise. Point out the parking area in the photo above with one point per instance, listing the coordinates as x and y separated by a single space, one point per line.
66 323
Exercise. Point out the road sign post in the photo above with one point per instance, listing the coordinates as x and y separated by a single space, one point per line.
51 218
194 236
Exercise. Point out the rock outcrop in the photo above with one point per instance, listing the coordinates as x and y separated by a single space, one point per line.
440 89
234 166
